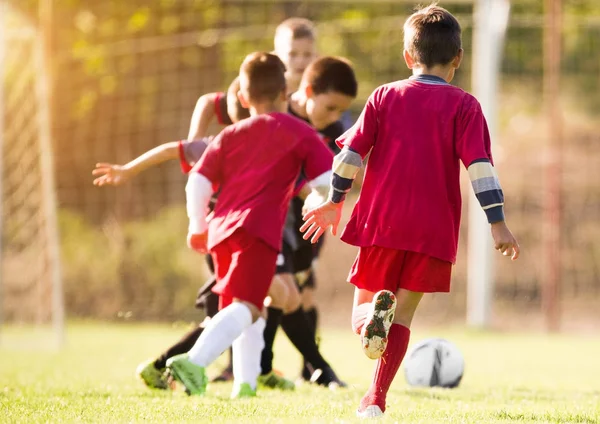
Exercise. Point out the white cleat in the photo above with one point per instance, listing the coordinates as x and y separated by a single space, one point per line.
374 335
371 411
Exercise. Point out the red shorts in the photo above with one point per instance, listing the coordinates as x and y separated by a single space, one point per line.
379 268
244 267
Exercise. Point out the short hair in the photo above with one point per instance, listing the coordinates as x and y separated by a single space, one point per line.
235 110
298 28
330 73
265 76
432 36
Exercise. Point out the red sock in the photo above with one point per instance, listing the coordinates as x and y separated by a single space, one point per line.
387 367
359 316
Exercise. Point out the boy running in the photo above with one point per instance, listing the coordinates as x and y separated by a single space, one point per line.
255 163
406 220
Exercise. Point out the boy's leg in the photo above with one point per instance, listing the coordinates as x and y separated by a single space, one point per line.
297 329
282 296
219 334
246 359
373 403
307 292
244 268
152 372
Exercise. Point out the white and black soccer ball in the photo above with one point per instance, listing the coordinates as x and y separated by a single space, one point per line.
434 363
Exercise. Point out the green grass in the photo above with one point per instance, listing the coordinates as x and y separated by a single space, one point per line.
525 378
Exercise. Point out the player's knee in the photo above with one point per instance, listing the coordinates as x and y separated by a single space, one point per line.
279 293
308 298
294 300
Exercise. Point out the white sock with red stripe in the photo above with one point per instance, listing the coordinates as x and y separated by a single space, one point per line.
247 349
219 334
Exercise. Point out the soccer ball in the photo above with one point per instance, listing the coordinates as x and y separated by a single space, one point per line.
434 362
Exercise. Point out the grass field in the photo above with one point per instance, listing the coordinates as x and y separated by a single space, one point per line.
525 378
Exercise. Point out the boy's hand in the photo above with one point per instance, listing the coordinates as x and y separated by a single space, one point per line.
198 242
504 241
319 219
110 174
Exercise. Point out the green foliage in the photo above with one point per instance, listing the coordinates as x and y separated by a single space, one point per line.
141 270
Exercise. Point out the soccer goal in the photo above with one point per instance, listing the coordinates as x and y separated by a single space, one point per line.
30 274
490 21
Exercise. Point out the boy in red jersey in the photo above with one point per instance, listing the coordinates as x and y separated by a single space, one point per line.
406 220
255 163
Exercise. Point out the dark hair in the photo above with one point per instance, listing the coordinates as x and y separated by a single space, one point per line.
331 74
298 27
265 76
235 110
432 36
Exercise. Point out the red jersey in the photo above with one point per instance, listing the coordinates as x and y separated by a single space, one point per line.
417 130
256 162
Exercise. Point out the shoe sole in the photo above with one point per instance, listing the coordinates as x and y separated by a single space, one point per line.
371 411
190 388
377 325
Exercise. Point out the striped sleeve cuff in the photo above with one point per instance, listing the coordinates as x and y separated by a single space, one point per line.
346 165
487 189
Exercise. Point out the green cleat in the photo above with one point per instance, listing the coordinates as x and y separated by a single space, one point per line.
192 376
242 391
152 376
274 381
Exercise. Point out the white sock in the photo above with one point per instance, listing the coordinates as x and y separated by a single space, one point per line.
247 350
219 334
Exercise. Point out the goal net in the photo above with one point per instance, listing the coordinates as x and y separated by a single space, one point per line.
30 277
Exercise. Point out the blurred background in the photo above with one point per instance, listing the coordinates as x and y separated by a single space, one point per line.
87 81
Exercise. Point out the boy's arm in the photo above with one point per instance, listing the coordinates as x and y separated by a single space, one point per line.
355 143
199 189
474 149
188 153
207 108
113 174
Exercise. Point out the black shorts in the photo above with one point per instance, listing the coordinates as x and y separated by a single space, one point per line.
285 260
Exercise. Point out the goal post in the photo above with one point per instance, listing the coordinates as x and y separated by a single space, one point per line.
489 31
30 271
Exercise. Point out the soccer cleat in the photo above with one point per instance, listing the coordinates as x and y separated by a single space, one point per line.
371 411
274 381
152 376
242 391
377 324
192 376
328 378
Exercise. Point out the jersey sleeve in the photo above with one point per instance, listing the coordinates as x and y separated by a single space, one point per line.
318 159
361 136
473 137
474 150
221 109
211 162
190 152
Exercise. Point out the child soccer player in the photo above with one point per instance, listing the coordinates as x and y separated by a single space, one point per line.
406 220
255 163
295 44
326 91
229 110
